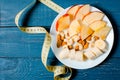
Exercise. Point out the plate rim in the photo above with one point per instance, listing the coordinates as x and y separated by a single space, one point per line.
109 50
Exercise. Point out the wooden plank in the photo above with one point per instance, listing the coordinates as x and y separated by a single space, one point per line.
20 52
11 11
33 69
23 69
111 6
22 44
40 12
14 43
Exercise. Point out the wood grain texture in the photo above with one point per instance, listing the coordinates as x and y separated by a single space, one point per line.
40 12
20 53
32 69
14 43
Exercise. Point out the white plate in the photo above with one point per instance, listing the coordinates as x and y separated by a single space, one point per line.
85 64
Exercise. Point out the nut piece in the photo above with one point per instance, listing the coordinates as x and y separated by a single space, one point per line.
80 41
62 37
83 42
58 37
96 38
77 48
70 47
86 45
64 43
88 38
59 43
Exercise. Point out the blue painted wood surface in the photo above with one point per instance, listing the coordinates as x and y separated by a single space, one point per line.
20 53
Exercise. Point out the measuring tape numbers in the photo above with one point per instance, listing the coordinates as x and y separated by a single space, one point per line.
57 70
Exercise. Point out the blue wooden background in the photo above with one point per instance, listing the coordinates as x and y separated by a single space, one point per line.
20 52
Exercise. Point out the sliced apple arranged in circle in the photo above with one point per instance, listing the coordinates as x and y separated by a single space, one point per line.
63 22
73 10
82 11
80 29
92 17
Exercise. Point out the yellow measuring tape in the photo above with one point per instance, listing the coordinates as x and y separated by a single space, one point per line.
65 71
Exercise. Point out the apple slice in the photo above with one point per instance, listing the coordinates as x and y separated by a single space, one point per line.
85 32
102 33
82 11
97 25
79 16
75 27
63 22
72 11
92 17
